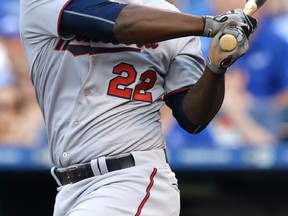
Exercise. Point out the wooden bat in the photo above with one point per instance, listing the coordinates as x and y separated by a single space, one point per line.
228 42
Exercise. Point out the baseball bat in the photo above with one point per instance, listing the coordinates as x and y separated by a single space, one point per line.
228 42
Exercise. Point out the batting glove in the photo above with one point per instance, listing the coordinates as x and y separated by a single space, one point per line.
213 24
219 60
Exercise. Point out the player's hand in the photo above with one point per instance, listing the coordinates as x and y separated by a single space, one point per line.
219 60
213 24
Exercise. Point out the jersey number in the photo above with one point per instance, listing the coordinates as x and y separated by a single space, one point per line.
126 76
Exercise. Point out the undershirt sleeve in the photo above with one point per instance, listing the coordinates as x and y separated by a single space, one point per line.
175 101
94 18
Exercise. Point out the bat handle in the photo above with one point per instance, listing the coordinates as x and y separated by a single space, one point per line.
228 42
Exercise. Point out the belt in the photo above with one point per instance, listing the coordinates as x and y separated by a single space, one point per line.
78 172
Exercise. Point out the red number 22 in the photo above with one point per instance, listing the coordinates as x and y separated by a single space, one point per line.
127 75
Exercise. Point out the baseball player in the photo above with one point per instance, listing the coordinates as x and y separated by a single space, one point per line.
101 71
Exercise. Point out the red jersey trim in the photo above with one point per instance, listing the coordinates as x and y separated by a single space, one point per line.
59 17
178 90
147 192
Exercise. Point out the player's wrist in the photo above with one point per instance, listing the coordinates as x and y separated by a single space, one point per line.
219 60
236 17
215 68
208 26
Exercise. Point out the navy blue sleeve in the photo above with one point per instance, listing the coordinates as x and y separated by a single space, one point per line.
91 18
175 101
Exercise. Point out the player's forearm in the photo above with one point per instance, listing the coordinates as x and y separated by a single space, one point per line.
145 25
204 99
133 23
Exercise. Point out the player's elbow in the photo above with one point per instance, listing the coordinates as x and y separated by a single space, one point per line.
175 101
191 127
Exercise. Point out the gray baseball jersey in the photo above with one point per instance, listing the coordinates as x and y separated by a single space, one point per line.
101 98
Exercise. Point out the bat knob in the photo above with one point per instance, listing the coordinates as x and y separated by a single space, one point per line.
228 42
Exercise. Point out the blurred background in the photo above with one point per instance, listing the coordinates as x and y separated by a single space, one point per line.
237 166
